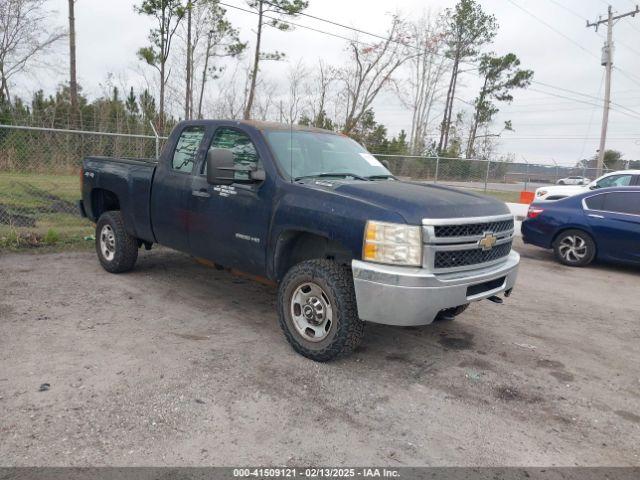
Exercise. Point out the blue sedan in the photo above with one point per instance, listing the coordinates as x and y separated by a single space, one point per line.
603 224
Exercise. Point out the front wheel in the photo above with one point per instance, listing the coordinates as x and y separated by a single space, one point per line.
116 249
574 248
317 310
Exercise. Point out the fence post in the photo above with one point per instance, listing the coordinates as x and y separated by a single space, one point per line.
157 140
526 178
486 177
435 180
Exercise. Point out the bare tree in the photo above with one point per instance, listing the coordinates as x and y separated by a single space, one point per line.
371 70
232 94
295 98
424 86
318 91
24 36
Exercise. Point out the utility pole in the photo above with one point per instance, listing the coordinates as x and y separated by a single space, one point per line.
74 117
607 62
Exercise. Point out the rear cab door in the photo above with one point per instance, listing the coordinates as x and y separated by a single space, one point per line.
171 189
614 218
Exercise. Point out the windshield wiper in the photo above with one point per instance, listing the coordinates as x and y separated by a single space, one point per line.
357 177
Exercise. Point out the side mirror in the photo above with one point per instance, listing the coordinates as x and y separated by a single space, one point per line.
220 166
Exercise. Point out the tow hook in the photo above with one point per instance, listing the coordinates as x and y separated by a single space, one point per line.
495 299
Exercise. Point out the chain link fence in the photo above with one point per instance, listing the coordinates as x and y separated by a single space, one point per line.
490 176
40 184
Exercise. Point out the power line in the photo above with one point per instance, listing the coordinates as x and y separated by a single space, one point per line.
575 92
348 39
593 111
296 24
551 27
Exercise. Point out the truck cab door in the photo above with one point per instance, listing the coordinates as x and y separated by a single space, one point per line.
171 189
229 223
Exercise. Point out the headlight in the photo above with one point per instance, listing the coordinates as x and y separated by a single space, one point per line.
540 193
392 243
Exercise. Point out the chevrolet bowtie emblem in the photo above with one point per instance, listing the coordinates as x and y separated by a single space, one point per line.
488 241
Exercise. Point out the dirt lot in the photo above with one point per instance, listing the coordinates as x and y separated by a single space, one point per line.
179 364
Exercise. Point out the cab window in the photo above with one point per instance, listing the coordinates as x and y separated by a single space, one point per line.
244 152
187 148
615 181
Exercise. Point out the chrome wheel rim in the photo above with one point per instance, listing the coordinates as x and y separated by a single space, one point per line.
311 312
107 243
573 248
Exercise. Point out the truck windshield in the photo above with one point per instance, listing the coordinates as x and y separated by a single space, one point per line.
311 154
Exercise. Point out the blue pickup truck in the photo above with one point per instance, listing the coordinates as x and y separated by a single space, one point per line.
346 242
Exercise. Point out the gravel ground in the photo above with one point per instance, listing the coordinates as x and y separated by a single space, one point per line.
179 364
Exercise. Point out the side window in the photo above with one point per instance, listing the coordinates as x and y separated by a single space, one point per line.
623 202
615 181
596 202
244 152
187 148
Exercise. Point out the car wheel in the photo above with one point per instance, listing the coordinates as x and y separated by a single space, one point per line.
317 310
561 182
574 248
116 249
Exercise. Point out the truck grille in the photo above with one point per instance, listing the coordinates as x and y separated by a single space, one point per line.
471 229
458 244
474 256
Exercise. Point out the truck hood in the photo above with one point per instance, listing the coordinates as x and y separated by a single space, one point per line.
416 201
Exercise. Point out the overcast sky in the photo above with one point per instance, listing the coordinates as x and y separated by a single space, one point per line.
546 127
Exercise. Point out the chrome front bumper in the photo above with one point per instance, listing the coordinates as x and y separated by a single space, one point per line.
413 296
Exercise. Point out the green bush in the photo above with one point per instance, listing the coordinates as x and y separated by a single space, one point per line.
52 237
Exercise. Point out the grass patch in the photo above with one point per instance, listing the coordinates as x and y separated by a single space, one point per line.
505 196
27 190
39 212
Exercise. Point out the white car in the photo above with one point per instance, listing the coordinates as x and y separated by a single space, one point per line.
573 181
622 178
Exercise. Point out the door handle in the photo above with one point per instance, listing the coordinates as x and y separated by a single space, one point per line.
593 215
200 193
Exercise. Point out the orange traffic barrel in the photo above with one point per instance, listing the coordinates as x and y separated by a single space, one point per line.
527 197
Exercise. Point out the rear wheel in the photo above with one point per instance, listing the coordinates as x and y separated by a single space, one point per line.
574 248
317 310
116 249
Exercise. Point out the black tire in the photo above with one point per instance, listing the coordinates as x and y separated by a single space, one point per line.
574 248
122 250
561 183
449 314
345 329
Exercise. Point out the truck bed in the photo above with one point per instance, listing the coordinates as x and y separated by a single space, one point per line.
131 180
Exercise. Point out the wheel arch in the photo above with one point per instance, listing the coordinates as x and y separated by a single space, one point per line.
296 246
103 200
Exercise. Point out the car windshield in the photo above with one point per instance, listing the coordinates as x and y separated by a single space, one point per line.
313 154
